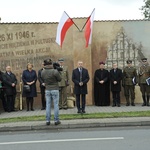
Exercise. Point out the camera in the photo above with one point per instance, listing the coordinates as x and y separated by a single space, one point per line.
56 65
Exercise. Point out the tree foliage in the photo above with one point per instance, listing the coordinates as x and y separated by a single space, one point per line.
146 9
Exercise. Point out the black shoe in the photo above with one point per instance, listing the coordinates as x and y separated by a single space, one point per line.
60 108
65 108
57 123
32 109
144 104
47 123
78 111
83 111
118 105
43 108
132 104
113 105
127 104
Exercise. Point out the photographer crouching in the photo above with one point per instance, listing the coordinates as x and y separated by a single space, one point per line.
51 77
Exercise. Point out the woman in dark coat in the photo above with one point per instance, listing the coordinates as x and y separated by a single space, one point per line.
101 86
29 77
115 79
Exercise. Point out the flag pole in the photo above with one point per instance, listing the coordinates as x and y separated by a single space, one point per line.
73 21
87 20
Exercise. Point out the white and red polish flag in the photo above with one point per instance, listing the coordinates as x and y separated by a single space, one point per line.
64 24
88 28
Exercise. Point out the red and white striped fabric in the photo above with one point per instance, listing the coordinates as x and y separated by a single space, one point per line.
88 28
64 24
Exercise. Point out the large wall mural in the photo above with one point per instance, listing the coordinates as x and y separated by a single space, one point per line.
112 41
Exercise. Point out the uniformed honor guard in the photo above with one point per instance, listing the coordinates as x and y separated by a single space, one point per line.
144 78
129 82
63 84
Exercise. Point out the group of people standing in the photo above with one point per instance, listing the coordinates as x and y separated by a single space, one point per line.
8 87
104 81
54 82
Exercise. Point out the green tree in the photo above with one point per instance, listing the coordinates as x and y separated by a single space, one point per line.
146 9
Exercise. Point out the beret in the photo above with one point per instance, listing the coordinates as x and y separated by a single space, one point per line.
101 62
60 59
129 61
144 59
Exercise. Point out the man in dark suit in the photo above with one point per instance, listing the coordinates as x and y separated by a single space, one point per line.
42 88
115 79
80 77
10 81
2 92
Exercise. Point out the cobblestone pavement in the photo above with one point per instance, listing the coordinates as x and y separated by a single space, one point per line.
37 125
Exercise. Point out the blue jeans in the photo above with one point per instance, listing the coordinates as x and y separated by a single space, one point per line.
52 95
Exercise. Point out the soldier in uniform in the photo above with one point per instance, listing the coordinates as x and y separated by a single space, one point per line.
144 73
129 81
63 84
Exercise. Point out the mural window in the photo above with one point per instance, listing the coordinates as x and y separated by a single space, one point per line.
121 54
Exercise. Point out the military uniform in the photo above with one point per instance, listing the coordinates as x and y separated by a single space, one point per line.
143 74
129 75
63 86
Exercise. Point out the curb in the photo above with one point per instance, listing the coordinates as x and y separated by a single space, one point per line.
73 126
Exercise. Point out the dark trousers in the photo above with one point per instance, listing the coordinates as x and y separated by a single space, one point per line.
10 102
42 88
82 96
29 100
3 98
116 97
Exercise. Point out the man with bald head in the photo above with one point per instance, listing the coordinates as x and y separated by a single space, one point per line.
10 81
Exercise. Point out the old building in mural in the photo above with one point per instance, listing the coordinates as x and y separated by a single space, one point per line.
123 48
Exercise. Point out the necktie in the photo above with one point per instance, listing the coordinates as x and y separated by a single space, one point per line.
80 70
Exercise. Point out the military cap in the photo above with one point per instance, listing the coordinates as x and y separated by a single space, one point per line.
101 62
61 60
129 61
144 59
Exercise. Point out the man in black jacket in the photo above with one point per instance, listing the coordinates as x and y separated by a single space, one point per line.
80 77
10 81
2 92
42 88
115 79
